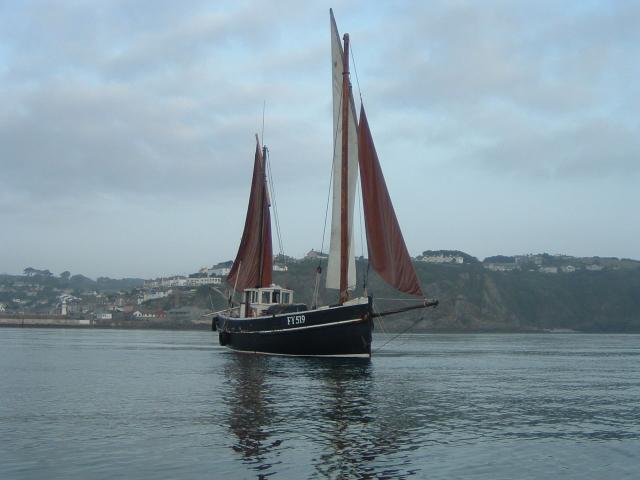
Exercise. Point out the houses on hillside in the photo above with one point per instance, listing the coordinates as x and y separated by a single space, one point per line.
440 258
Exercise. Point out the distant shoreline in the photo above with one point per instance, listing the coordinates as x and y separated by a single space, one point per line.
102 325
206 326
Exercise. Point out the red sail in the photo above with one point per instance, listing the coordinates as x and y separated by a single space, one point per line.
253 267
388 253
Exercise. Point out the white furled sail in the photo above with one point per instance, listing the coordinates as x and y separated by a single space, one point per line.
333 267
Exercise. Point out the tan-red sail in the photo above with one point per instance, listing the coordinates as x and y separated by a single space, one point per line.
388 253
254 262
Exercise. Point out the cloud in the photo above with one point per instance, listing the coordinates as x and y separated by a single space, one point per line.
505 86
591 148
148 103
145 100
104 138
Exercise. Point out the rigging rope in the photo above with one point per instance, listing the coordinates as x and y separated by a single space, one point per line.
378 317
420 318
264 107
326 210
365 273
353 61
235 284
275 206
316 288
269 178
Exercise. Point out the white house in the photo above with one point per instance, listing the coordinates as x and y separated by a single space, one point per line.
501 267
3 307
146 296
313 254
174 282
594 268
151 283
220 271
199 281
440 258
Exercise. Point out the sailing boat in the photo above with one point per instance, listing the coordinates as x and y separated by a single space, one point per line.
267 320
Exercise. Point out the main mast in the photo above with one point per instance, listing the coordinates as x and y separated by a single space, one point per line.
344 190
341 267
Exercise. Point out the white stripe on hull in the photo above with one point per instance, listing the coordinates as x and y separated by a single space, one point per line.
308 327
346 355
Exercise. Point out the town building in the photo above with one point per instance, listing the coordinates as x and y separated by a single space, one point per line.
155 295
221 271
312 254
549 269
138 315
501 267
442 258
199 281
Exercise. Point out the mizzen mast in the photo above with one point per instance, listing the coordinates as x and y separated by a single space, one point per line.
264 199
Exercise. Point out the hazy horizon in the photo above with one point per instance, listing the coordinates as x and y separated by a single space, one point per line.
195 269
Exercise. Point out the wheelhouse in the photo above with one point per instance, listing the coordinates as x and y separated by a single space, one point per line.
256 301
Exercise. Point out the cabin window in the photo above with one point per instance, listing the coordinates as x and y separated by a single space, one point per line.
254 297
286 297
246 296
266 297
276 296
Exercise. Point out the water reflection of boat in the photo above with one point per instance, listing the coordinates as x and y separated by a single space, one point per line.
345 418
250 410
329 413
361 424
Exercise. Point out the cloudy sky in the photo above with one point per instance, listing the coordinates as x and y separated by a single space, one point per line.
126 127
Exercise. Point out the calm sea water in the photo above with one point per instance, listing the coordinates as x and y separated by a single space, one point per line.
98 404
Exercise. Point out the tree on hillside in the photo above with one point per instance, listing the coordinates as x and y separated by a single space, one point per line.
500 259
65 275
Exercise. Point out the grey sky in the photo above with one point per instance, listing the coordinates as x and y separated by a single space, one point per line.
126 128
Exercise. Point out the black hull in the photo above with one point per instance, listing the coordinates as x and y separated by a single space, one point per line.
343 331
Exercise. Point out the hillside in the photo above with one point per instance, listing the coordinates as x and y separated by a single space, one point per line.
474 298
523 293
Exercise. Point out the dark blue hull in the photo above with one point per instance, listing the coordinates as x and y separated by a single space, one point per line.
336 331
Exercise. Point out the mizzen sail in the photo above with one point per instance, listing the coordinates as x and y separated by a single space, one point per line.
333 267
253 265
388 253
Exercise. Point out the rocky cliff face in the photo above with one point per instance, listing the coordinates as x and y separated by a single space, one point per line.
481 300
475 299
